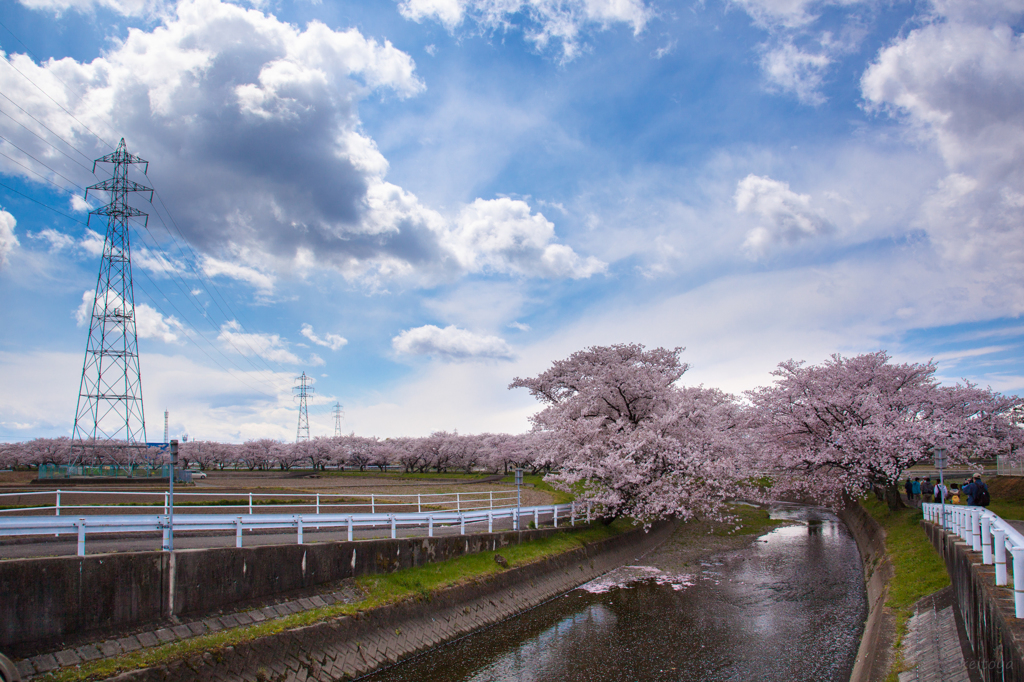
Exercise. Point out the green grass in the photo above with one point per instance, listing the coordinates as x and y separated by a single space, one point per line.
412 583
748 520
538 483
918 569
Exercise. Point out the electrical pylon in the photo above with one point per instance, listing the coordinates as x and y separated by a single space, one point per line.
109 410
338 414
303 391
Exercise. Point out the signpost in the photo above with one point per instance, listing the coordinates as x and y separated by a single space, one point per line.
940 464
169 547
519 498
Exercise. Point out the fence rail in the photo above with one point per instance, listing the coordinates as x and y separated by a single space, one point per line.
80 526
989 534
315 502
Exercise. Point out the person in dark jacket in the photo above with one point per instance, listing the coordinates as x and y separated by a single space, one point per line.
910 488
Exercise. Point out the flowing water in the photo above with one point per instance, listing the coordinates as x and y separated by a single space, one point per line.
789 607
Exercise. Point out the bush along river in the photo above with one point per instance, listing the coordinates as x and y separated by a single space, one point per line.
789 605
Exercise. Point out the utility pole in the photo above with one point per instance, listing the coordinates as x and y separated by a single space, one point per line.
303 391
109 404
338 414
166 430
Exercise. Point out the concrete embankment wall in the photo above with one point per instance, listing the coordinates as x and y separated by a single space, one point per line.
351 646
874 656
997 637
43 601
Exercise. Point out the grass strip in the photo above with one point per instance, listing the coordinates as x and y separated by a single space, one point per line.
419 582
538 483
918 570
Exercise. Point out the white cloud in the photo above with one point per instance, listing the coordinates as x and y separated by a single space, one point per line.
503 235
790 69
57 240
521 326
543 21
959 83
137 8
92 243
450 343
785 216
8 240
214 267
267 346
157 263
149 322
328 340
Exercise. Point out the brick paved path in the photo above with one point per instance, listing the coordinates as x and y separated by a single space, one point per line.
351 646
932 643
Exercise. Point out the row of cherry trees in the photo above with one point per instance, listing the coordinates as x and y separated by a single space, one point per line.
439 452
619 428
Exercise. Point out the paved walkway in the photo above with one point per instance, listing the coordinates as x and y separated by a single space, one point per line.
932 645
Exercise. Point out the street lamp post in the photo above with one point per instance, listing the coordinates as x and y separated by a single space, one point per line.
170 501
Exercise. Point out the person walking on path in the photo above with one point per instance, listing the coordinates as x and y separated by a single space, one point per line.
917 487
927 489
940 493
910 488
977 492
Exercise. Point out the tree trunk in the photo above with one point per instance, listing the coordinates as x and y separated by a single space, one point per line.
892 497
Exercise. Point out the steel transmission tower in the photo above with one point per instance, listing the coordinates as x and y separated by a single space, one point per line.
303 391
338 414
110 394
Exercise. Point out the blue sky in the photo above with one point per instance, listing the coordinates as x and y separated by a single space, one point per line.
416 201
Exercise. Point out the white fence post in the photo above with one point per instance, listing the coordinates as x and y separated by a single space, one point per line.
1018 581
250 504
986 539
166 503
350 529
588 511
373 505
299 519
572 513
462 524
419 504
976 530
554 515
81 536
490 522
393 534
490 494
58 503
458 503
238 532
318 503
430 526
536 518
1000 556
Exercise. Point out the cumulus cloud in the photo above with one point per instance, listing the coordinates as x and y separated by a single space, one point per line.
785 216
958 82
137 8
544 22
149 322
252 128
503 235
328 340
451 343
8 240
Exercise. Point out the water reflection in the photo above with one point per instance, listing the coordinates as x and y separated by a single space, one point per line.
790 607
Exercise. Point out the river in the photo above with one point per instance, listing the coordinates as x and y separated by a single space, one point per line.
788 607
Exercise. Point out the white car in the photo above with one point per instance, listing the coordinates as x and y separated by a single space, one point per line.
198 474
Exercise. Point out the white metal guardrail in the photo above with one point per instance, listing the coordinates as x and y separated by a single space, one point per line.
80 526
987 533
315 502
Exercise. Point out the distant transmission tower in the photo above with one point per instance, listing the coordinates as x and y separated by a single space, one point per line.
303 391
338 414
110 395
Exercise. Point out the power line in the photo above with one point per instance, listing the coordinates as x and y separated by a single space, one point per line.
11 189
40 163
45 141
63 189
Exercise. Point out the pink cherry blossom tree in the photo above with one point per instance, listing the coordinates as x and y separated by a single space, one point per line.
627 438
854 424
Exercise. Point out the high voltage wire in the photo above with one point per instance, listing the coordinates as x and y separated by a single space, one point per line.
45 141
11 189
4 57
41 163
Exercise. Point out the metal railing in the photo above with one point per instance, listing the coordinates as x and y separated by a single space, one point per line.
315 502
120 524
987 533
